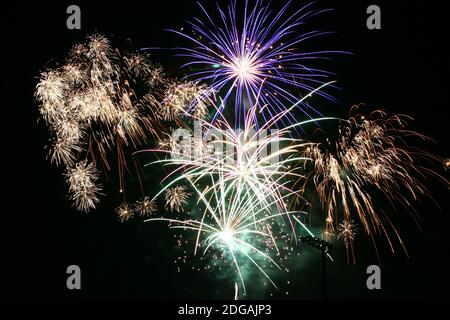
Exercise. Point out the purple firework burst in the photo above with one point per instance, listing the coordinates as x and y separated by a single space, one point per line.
255 56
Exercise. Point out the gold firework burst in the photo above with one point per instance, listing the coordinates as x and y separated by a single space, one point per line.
146 207
124 212
176 198
83 187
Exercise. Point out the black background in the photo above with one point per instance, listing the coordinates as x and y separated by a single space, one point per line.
404 67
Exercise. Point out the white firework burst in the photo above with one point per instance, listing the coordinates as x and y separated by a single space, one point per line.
138 65
128 126
98 46
146 207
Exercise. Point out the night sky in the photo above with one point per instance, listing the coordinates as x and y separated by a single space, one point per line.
403 67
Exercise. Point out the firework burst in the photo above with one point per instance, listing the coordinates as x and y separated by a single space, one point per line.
185 98
146 207
266 161
238 58
248 179
83 186
176 198
124 212
101 101
234 225
347 231
370 153
243 189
